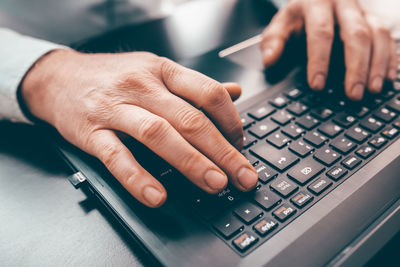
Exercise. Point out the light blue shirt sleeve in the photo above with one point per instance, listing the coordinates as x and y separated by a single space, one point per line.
17 54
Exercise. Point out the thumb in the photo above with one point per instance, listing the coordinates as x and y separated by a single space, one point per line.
233 89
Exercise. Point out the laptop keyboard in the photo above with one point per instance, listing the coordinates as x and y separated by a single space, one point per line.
303 144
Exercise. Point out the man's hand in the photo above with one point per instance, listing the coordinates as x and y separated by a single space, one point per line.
87 97
370 54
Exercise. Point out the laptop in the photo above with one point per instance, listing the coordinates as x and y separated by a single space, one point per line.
328 190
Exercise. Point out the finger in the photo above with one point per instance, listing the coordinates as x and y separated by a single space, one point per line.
107 147
233 89
274 37
319 26
392 72
201 133
355 34
208 95
158 135
381 48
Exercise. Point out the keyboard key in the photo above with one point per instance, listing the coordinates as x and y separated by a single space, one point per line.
307 122
357 134
297 108
365 151
322 113
300 148
327 156
371 124
284 187
246 121
282 117
248 212
396 123
248 140
265 173
294 94
266 198
373 102
390 132
359 112
330 129
343 145
394 105
278 140
351 162
311 99
228 225
253 160
284 212
378 142
279 102
387 94
293 131
261 112
336 173
344 120
385 114
338 105
301 199
305 171
319 186
226 197
279 159
265 226
263 128
244 241
315 138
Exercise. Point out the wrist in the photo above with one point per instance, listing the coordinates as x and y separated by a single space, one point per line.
37 89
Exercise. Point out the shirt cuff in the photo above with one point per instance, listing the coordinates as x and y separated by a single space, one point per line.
18 54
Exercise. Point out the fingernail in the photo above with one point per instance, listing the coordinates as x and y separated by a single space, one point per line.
392 75
247 178
376 85
318 82
215 180
267 53
357 91
152 195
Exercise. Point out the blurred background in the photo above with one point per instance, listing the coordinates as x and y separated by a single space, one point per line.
73 20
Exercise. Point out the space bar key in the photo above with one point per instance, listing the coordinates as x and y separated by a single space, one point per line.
279 159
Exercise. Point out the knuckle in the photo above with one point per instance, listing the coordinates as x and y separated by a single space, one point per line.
192 122
382 30
226 156
323 31
110 155
188 162
94 106
362 34
135 80
214 93
133 179
152 129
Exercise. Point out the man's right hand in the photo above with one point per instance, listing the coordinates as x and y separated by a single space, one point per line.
87 97
370 52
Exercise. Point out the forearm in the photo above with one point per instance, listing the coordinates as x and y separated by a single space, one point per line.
17 55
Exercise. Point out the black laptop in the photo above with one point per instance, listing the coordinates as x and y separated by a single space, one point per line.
329 184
